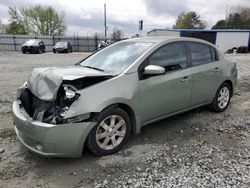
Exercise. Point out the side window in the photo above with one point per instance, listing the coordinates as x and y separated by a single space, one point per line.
171 56
200 53
214 54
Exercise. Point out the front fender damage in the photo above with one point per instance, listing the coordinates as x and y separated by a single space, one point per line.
39 102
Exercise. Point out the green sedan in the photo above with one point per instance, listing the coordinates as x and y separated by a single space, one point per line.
99 102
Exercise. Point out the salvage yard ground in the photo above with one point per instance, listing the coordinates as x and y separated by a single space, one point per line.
194 149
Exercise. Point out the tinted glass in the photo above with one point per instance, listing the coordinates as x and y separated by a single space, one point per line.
32 42
117 57
171 56
200 53
213 54
63 44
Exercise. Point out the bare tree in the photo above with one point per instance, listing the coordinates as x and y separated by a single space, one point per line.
117 34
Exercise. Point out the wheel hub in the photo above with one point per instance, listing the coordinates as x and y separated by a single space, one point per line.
223 97
111 132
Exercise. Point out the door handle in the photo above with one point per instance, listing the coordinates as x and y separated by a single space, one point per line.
185 79
216 69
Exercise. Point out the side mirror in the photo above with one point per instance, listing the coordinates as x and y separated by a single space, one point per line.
154 70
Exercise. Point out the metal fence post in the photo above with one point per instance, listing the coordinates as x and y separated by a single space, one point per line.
53 39
78 47
14 39
88 42
96 42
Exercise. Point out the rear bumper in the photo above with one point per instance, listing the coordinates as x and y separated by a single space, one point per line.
65 140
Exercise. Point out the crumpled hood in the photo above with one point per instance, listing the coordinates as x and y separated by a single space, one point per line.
45 82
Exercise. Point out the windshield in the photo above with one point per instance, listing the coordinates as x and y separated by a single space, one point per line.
117 57
61 44
32 42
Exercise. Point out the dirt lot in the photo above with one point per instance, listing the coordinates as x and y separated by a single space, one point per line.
194 149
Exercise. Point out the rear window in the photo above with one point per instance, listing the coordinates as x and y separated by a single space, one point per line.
200 53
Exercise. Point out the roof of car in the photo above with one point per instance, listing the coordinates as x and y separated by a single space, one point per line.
160 39
152 39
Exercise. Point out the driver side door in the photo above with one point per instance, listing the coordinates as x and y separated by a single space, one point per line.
161 95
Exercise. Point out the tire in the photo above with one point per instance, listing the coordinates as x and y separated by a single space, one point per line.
54 51
23 52
113 128
222 98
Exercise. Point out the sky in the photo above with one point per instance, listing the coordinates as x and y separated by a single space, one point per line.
86 17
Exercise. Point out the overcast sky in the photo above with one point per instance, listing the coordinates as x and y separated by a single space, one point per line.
86 16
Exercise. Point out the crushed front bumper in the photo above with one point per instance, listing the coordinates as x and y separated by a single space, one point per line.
63 140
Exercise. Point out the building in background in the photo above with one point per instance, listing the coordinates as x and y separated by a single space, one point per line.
223 39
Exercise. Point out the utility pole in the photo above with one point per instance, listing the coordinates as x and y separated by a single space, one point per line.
226 16
105 24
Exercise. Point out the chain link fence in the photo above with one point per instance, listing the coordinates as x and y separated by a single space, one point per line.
79 43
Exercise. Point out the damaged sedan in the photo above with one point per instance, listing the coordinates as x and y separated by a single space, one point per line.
99 102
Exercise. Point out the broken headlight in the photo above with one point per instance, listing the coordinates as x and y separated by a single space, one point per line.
70 91
70 95
55 112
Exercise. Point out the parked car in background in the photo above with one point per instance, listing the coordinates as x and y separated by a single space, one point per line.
33 46
62 46
111 94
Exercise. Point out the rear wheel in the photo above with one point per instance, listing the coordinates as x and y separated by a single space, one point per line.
222 98
110 133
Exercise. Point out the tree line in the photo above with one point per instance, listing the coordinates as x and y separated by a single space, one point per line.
239 19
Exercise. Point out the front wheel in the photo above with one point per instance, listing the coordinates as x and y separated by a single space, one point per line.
110 133
222 98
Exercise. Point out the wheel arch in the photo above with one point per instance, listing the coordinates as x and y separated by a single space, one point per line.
128 110
230 83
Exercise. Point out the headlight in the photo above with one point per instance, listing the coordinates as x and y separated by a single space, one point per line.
70 91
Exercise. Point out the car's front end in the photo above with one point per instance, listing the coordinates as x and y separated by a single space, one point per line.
61 47
41 106
64 140
31 46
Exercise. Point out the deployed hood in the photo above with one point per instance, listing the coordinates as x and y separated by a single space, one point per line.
45 82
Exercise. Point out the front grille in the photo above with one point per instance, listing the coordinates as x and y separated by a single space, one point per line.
38 109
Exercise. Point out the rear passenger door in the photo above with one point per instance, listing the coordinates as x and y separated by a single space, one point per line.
206 72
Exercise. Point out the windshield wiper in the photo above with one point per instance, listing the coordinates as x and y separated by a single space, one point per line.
93 68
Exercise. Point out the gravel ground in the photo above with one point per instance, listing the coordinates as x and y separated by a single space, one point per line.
194 149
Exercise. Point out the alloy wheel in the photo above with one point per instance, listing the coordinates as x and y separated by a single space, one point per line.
223 97
111 132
